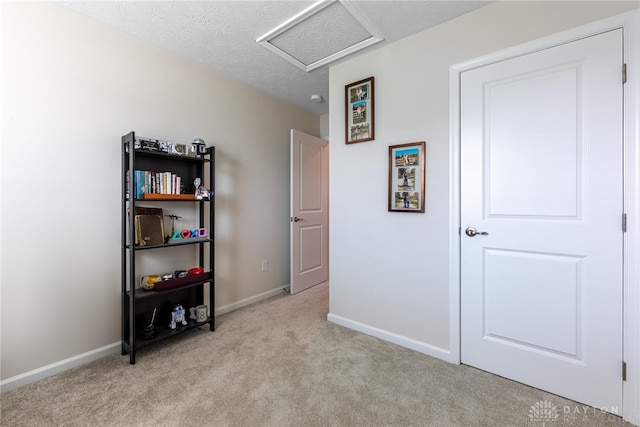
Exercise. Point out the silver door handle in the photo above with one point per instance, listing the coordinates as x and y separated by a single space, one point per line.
471 232
295 219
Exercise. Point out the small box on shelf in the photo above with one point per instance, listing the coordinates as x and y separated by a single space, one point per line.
181 281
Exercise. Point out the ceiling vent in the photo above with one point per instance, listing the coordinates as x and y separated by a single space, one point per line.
326 31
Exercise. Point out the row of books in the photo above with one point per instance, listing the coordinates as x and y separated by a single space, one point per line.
149 182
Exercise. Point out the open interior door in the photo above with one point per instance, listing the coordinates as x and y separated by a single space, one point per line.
309 211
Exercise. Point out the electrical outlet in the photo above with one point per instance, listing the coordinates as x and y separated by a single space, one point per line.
265 265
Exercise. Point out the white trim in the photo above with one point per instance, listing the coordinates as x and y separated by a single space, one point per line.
58 367
251 300
295 20
403 341
631 347
81 359
630 23
454 214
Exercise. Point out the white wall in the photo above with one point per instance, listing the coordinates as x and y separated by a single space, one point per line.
324 126
70 89
390 271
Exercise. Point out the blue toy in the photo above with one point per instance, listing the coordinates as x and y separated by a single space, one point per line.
177 316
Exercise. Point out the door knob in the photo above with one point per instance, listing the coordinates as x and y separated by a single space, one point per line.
295 219
473 232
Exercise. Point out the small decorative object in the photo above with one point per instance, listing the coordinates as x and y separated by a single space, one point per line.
199 313
406 177
180 273
177 316
198 147
164 146
149 282
150 331
202 193
195 270
142 143
173 220
179 149
359 111
180 236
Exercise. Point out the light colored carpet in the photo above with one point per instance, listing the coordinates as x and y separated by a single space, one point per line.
280 363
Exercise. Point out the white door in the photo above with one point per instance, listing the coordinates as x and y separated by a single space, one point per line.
309 211
541 174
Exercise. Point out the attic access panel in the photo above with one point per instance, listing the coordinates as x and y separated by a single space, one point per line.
326 31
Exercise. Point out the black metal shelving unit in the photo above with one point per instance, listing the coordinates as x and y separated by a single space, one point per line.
137 303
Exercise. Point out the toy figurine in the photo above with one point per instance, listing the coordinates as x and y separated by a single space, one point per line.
177 316
202 193
198 147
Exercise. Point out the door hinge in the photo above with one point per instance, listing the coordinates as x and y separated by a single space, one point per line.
624 222
624 73
624 371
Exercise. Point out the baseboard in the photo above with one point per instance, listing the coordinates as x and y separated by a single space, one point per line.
251 300
429 350
81 359
58 367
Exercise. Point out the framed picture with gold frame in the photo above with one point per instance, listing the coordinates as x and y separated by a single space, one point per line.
359 111
407 177
149 226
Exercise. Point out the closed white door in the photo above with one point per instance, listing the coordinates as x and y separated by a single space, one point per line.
309 211
541 175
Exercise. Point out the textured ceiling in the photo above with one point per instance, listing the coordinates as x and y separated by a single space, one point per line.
221 35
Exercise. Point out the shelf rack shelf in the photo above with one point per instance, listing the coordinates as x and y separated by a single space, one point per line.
137 303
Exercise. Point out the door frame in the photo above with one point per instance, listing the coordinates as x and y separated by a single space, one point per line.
630 24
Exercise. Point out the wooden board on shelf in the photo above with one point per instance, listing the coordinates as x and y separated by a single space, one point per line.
156 196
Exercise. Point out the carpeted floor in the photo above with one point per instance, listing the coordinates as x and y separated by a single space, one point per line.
280 363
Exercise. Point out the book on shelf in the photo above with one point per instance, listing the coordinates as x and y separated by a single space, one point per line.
167 183
149 182
126 185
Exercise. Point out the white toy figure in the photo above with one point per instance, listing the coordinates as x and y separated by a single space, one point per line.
177 315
